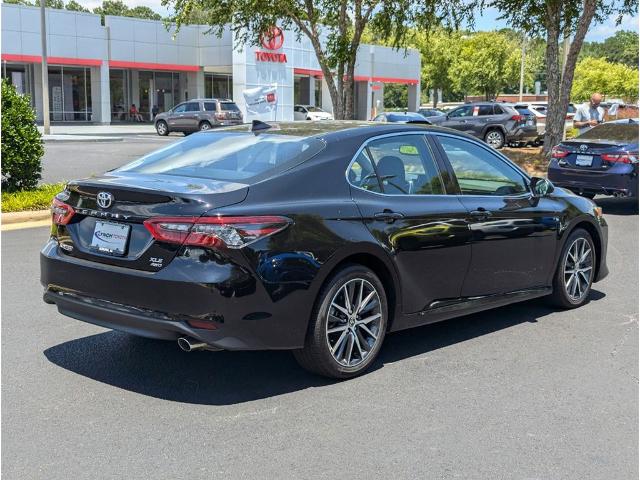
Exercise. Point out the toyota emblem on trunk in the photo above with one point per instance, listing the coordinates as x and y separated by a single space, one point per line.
584 148
104 199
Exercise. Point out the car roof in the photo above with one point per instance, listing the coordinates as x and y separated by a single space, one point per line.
224 100
329 128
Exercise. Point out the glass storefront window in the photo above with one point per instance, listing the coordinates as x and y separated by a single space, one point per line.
218 86
318 90
69 94
119 89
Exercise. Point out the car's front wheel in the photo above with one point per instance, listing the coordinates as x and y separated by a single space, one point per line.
575 271
494 138
347 326
162 128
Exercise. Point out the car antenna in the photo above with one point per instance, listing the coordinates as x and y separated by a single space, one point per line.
257 126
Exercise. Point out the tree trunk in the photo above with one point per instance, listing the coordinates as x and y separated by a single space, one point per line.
555 117
559 97
349 97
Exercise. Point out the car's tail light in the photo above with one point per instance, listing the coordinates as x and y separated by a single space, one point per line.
518 118
221 116
626 157
558 152
61 213
231 232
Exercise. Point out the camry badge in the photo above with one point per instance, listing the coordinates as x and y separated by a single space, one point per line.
104 199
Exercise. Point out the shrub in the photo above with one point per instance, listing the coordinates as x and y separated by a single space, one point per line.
21 142
39 198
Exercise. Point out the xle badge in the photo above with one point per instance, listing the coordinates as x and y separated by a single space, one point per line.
155 262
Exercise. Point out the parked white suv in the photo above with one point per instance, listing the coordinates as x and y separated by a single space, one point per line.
309 112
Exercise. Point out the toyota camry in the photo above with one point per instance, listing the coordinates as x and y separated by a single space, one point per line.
318 238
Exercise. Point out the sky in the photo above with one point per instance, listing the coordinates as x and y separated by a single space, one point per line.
485 22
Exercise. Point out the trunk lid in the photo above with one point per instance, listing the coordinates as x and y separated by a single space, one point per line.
586 154
114 233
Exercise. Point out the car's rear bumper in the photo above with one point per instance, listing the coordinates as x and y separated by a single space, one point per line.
527 134
593 181
161 304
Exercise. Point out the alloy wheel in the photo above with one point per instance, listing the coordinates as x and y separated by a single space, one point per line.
353 322
494 139
161 128
204 126
578 269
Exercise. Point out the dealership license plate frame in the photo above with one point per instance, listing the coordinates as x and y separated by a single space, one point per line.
117 248
584 160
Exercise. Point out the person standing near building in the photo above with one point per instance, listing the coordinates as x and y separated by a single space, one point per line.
589 114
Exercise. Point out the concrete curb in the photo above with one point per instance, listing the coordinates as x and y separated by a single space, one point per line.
25 217
79 138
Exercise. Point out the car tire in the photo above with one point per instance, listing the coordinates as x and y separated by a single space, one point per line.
162 128
494 138
337 345
575 271
204 126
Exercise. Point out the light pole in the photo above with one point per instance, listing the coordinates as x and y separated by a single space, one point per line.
522 68
45 70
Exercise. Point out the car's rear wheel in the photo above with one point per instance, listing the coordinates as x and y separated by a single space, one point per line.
347 326
204 126
576 268
494 138
162 128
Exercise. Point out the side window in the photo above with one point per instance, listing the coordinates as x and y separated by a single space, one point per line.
405 165
180 108
485 110
210 107
497 110
379 118
479 171
192 107
465 111
362 173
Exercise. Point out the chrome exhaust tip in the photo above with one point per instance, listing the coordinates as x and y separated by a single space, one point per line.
189 344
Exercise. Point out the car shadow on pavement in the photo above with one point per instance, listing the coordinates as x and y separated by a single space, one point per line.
161 370
618 206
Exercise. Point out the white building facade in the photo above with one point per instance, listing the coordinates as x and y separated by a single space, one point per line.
96 72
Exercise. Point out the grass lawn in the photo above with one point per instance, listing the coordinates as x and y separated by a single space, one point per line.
38 199
529 159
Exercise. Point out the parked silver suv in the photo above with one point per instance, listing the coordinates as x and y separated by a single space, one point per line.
198 114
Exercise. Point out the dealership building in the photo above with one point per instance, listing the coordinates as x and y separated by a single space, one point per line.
96 72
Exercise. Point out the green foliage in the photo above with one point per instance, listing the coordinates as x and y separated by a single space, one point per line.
143 12
487 63
21 142
622 47
614 80
396 96
75 7
39 198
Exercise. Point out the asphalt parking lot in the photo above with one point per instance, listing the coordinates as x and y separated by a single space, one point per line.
523 392
64 161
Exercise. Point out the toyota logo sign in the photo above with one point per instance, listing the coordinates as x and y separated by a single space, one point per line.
584 148
272 39
104 199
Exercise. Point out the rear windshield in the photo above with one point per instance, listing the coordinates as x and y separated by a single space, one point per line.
523 110
404 117
239 157
229 106
612 131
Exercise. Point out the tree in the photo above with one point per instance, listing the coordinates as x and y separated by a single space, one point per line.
396 96
111 7
614 80
559 19
622 47
21 142
487 63
75 7
334 27
143 12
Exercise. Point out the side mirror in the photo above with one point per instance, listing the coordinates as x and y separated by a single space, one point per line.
541 187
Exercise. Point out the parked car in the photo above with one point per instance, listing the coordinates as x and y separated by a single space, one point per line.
495 123
198 114
316 240
603 160
539 109
399 117
310 112
427 112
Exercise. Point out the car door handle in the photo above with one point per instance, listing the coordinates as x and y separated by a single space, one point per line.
388 216
480 213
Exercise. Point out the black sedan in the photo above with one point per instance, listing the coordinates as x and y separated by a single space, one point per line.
318 238
603 160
